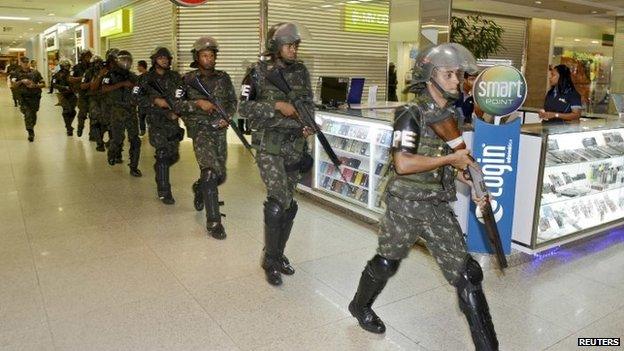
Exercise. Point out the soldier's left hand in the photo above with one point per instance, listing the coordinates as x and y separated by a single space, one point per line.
223 123
307 131
481 202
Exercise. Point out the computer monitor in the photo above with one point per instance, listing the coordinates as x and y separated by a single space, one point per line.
356 88
334 90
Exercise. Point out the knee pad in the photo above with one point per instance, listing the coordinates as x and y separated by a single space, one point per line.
160 155
291 212
382 268
470 274
209 176
273 211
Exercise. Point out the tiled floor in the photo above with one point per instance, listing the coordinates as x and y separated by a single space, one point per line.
91 260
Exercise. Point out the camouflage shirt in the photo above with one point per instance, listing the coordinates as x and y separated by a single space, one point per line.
31 74
121 97
153 85
79 70
218 84
60 81
258 95
89 77
413 136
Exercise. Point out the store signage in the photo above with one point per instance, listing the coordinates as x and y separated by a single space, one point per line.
366 18
495 147
116 24
189 3
500 90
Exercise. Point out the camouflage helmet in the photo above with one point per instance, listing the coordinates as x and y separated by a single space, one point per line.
124 59
451 55
111 54
160 51
84 53
96 58
65 63
203 43
281 34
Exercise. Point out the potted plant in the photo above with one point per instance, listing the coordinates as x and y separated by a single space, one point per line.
480 36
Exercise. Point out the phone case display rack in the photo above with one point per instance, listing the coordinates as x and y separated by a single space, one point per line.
363 146
581 185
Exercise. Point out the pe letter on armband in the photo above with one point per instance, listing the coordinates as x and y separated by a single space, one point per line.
179 93
405 140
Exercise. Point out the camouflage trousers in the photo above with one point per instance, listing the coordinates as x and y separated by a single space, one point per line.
211 149
29 107
120 125
280 184
165 137
68 103
83 110
405 221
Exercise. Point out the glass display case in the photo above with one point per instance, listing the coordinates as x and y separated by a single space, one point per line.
362 144
580 182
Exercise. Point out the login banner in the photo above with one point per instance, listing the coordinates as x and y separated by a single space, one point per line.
495 148
499 91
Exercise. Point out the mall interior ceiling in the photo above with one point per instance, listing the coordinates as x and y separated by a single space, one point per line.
21 20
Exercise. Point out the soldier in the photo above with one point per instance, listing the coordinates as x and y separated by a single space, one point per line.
421 187
12 68
117 84
28 83
67 98
98 125
207 127
141 109
78 73
159 85
279 138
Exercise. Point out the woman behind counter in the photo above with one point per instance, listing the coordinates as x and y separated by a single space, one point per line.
563 102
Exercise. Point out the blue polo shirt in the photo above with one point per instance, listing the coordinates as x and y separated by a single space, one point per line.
563 102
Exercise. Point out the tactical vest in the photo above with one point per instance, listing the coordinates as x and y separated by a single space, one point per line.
34 76
121 97
295 75
437 184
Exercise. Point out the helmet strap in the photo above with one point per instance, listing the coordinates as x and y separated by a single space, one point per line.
450 97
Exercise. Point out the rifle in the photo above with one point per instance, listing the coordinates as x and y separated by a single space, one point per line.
197 84
276 77
154 84
447 130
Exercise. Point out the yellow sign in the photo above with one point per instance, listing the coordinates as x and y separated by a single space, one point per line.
116 24
366 18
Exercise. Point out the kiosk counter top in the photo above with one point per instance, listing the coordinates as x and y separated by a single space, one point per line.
539 129
382 115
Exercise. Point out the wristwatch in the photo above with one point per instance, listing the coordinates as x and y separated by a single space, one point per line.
556 115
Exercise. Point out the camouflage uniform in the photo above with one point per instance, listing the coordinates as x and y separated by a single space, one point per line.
122 117
280 149
98 123
67 98
209 142
11 70
79 71
29 98
418 203
165 134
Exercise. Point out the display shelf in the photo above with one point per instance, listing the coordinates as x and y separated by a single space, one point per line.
349 136
582 163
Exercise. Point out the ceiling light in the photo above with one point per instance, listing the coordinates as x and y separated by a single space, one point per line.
353 2
595 42
17 49
39 22
13 18
326 5
51 14
538 2
575 39
594 11
559 38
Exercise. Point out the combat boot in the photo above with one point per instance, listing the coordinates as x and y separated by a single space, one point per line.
70 131
374 278
210 195
272 263
473 304
161 168
287 224
135 172
31 135
198 200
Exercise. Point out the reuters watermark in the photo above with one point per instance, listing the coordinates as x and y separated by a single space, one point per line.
594 342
